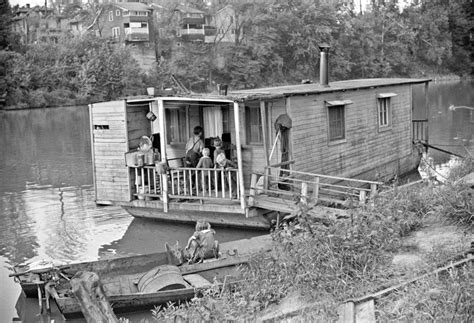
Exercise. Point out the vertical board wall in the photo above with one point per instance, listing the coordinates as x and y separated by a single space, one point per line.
109 144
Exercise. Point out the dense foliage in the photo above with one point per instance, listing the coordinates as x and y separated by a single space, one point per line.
330 264
276 42
75 70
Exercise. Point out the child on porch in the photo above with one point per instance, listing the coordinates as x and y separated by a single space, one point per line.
202 245
205 162
226 164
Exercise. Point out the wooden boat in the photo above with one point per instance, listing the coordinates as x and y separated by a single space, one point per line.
323 141
140 282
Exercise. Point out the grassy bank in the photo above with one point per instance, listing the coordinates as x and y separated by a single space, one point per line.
327 265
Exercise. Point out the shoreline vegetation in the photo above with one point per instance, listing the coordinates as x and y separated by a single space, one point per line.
274 43
403 233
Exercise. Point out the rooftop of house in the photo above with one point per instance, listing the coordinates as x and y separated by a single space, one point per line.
276 92
132 6
315 88
186 9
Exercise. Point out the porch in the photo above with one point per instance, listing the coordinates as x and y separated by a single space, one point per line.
184 188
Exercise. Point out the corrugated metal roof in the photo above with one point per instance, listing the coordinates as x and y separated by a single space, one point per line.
304 89
136 6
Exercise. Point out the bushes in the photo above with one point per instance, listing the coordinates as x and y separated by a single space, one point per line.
349 259
73 71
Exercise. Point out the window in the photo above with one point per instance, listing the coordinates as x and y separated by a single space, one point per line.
126 25
384 112
126 13
384 109
336 120
116 32
225 119
111 16
176 125
117 12
144 25
254 125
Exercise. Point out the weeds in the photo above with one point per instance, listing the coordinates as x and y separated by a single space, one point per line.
351 258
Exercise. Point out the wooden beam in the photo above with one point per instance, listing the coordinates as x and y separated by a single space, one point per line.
89 292
238 144
164 178
263 116
214 264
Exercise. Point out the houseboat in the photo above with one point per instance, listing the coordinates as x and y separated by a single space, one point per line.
290 145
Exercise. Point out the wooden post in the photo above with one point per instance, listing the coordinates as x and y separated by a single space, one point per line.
362 197
266 179
164 194
239 155
253 183
89 292
316 191
164 177
304 193
263 116
346 313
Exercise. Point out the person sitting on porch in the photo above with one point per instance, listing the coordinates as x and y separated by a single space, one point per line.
194 147
218 150
202 245
205 162
226 164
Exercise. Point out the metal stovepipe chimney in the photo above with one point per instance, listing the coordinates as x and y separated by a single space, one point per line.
324 65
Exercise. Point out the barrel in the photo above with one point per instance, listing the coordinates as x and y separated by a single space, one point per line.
165 277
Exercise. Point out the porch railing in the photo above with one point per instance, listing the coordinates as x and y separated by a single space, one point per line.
290 184
187 183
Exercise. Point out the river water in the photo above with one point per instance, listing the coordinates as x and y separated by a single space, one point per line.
46 195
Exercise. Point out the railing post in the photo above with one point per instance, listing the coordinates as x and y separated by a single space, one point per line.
253 183
362 197
164 179
304 193
316 190
266 178
373 190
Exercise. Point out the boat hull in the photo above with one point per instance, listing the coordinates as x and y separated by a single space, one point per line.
146 209
70 307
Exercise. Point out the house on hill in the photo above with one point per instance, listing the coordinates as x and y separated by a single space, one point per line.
130 23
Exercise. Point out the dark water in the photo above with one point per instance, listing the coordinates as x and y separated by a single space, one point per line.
46 196
47 207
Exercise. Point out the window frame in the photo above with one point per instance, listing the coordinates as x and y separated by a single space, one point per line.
384 100
342 104
111 15
116 32
182 126
117 12
248 126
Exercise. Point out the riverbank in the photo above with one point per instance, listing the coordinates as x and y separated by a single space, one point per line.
377 246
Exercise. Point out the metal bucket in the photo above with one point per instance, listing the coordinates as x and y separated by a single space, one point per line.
166 277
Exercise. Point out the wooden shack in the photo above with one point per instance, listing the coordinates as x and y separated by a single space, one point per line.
341 139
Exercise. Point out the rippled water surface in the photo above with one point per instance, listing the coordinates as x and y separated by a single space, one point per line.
47 207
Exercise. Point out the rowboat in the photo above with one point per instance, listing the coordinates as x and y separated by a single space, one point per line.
139 282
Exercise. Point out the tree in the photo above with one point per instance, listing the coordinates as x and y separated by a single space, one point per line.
5 20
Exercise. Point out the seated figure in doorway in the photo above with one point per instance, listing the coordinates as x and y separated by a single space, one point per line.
194 147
